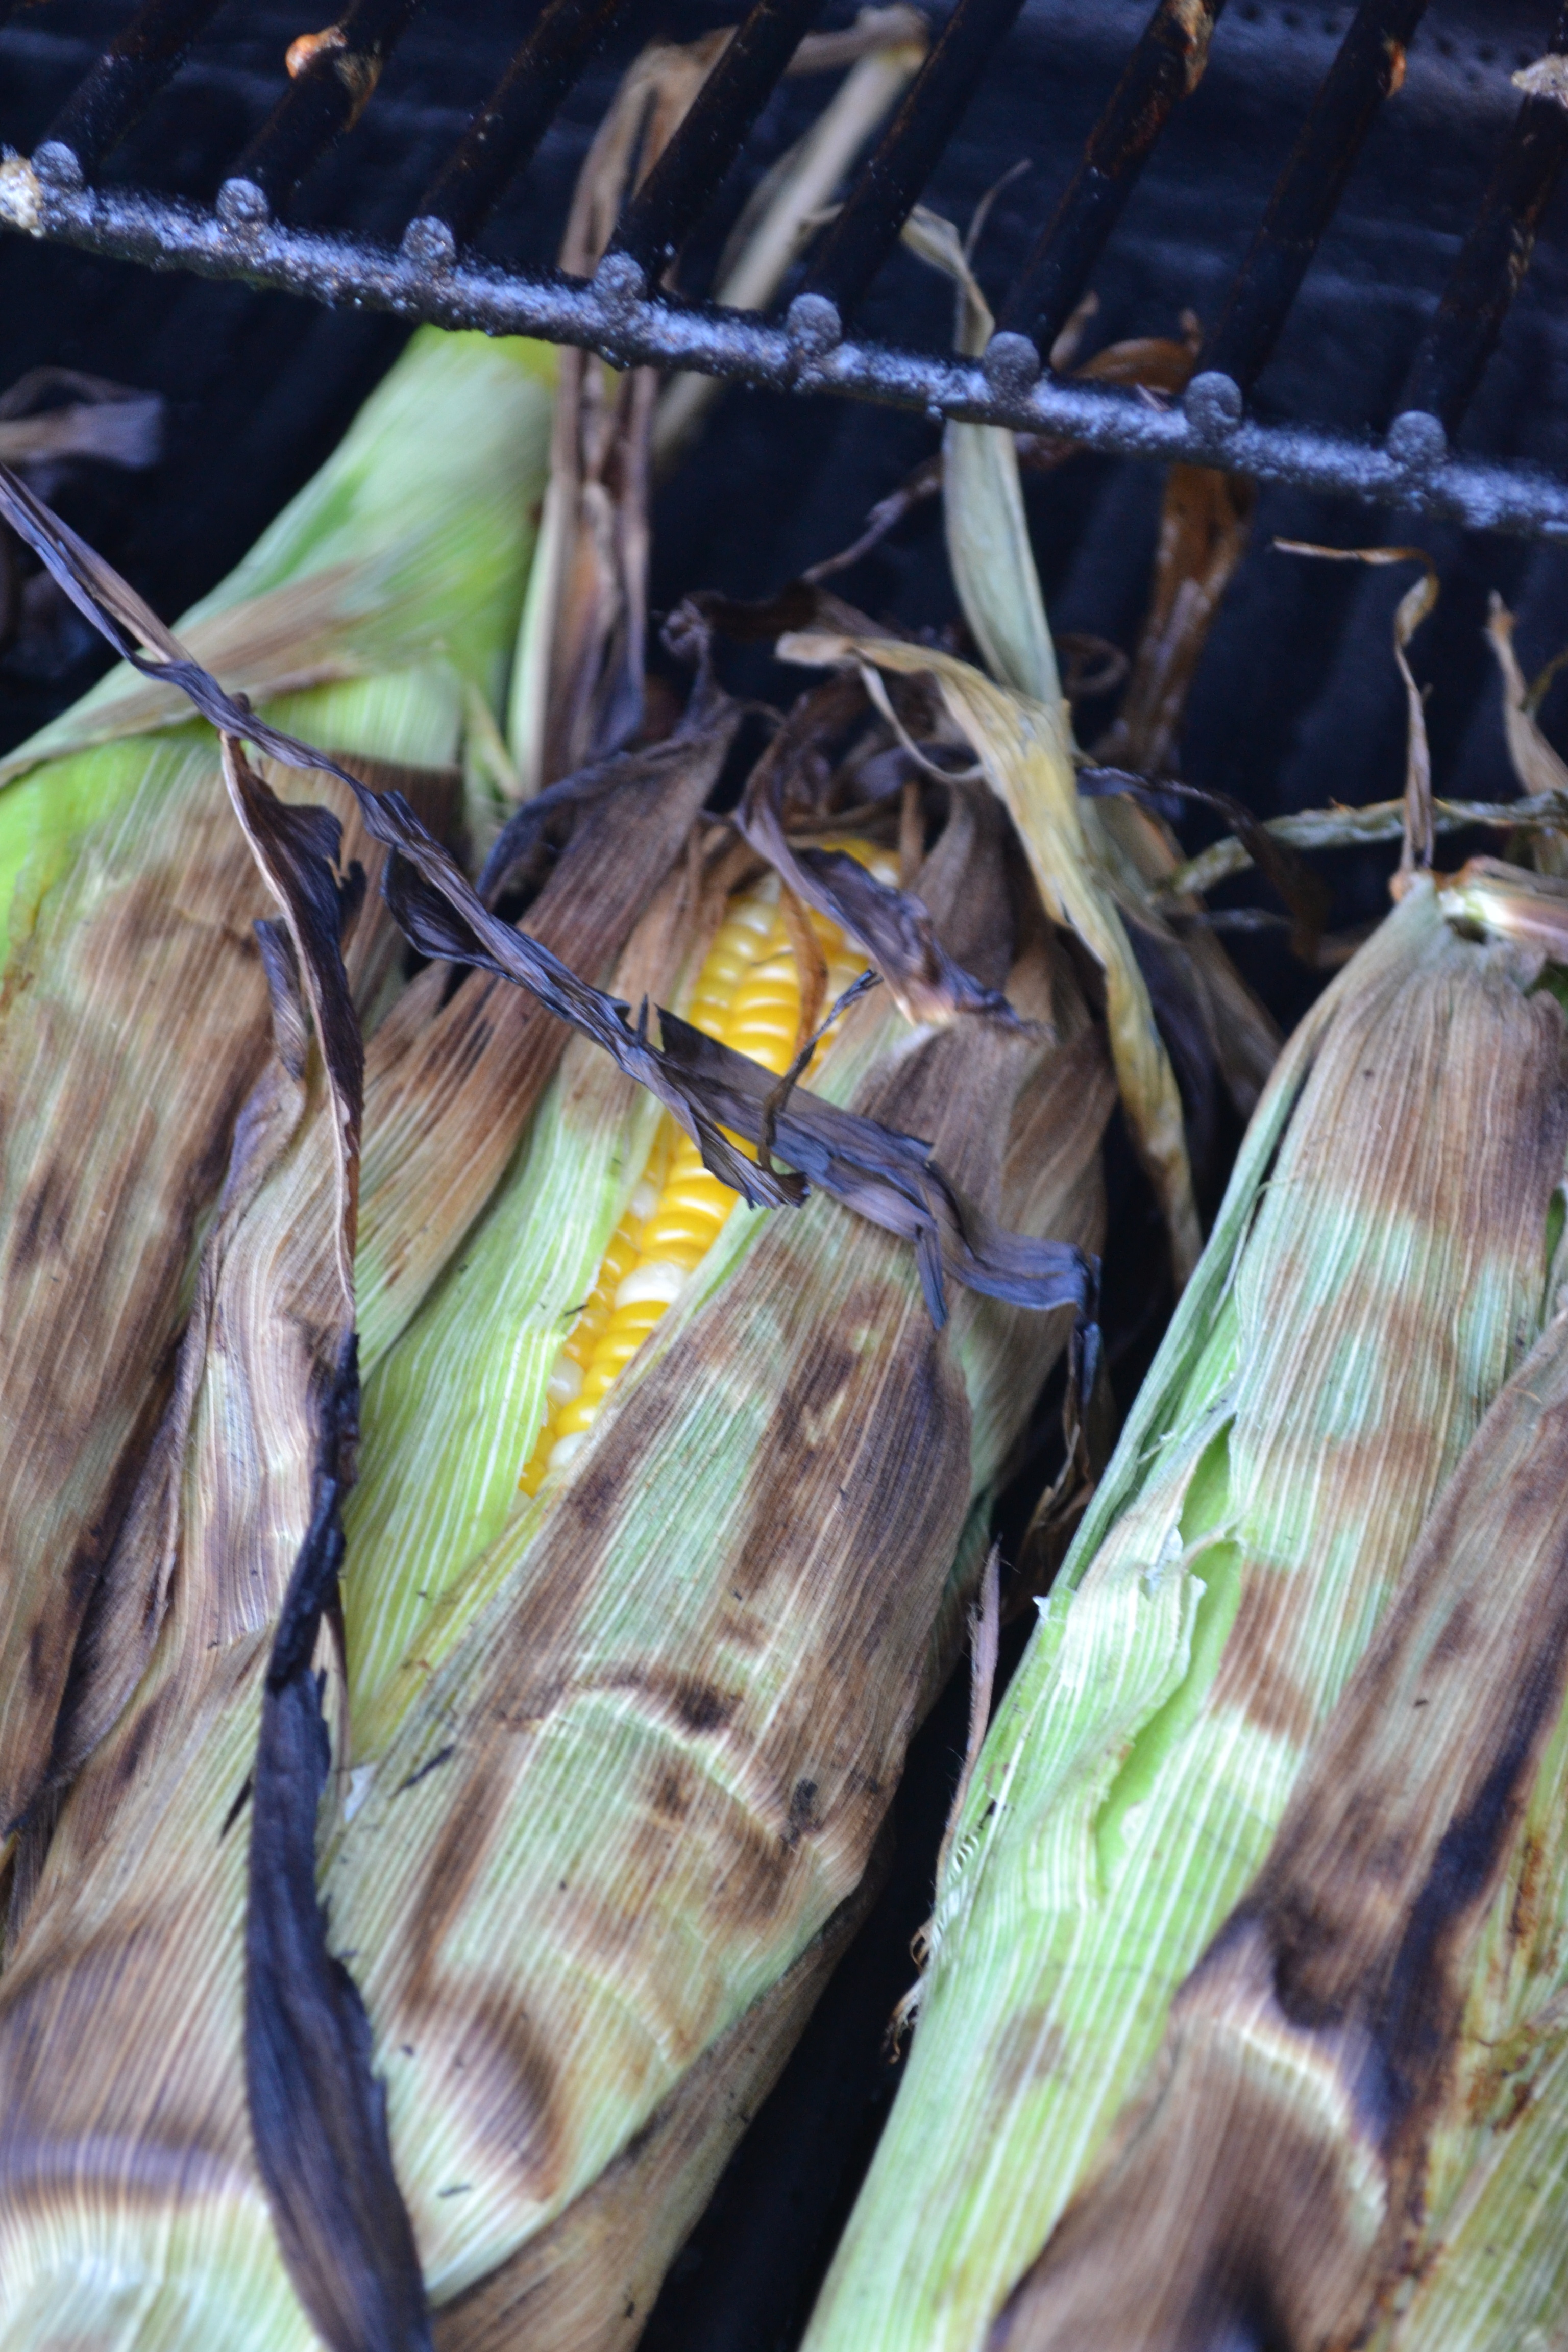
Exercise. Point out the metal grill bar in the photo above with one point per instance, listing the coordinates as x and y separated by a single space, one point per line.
325 97
677 190
117 92
1370 63
502 137
867 229
1462 335
331 268
1166 66
429 278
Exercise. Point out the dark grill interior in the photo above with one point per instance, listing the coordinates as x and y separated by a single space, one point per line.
1296 702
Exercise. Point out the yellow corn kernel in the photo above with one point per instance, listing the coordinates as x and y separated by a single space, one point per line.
748 996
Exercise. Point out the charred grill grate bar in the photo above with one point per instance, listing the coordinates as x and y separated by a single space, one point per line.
1370 64
329 91
1462 335
679 189
868 228
502 137
624 315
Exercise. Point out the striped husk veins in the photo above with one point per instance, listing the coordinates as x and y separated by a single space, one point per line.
1375 1273
131 2212
133 1005
1285 2154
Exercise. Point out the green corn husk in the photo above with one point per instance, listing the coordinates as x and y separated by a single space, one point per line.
1375 1273
123 2085
1353 2121
378 608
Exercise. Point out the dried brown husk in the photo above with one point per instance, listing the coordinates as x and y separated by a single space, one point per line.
1206 521
578 688
1207 1014
1021 745
891 926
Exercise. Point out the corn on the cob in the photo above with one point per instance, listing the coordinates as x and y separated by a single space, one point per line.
1341 2130
716 1679
991 1344
133 1016
1374 1276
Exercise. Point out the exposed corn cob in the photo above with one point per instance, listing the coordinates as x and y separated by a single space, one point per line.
1374 1275
133 1003
748 995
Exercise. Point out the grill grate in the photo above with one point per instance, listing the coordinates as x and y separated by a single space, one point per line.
433 274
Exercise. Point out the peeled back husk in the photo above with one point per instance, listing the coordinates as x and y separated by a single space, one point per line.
1374 1277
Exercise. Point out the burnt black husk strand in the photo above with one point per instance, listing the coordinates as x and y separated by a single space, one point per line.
318 2112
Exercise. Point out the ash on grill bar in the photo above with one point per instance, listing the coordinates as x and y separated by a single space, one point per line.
784 1133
